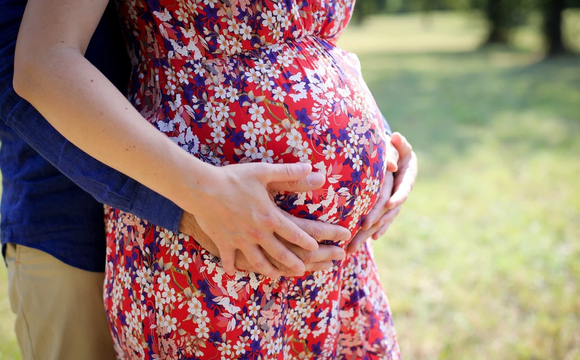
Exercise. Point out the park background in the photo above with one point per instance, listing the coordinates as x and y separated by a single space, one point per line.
484 260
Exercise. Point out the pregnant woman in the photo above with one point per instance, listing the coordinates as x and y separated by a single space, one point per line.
230 81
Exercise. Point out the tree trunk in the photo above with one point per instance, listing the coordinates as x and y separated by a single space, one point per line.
498 22
553 10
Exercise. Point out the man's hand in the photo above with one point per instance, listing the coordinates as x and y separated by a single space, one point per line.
388 207
320 259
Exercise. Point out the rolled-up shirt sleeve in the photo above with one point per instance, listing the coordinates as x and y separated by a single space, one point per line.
104 183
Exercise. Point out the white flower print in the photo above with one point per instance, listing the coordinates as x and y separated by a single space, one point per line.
185 260
265 155
357 163
219 137
269 19
246 31
294 139
165 236
249 131
329 152
256 111
240 347
251 149
278 94
263 126
253 76
181 15
210 3
202 331
225 348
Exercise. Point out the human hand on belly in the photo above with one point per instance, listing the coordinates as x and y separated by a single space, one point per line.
238 214
320 259
393 194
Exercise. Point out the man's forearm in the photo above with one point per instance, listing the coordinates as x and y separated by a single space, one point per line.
105 184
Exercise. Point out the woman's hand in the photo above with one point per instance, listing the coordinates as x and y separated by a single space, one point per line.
388 207
235 210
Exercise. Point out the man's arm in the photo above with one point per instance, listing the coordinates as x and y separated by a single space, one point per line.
102 182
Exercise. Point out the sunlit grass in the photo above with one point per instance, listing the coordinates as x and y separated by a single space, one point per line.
483 261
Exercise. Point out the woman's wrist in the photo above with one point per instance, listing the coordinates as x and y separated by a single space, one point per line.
195 184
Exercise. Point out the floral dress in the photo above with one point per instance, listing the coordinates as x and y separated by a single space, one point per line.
233 81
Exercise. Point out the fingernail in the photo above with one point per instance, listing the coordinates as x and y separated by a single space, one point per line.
305 166
391 206
315 178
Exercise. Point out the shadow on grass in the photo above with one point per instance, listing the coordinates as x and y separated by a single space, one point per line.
445 102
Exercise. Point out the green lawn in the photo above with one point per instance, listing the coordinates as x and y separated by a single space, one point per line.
484 260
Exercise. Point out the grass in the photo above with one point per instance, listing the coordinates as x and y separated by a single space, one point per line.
483 261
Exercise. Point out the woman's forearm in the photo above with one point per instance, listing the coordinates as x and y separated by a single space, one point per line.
89 111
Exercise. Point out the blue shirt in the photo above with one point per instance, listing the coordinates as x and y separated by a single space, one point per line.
41 206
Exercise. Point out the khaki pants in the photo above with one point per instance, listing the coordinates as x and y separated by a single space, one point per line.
59 309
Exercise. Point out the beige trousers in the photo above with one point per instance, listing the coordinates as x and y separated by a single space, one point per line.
59 309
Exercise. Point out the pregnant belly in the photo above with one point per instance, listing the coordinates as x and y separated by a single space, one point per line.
301 101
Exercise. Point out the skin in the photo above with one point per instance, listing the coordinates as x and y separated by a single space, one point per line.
53 75
388 207
402 159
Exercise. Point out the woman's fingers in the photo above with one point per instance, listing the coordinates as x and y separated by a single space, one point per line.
404 148
356 242
360 237
407 173
382 230
325 253
389 216
312 181
276 173
380 206
404 182
392 157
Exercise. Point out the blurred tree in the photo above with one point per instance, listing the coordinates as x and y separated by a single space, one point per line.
552 11
364 8
502 16
496 13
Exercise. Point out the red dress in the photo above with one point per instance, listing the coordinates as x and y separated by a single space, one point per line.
235 81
